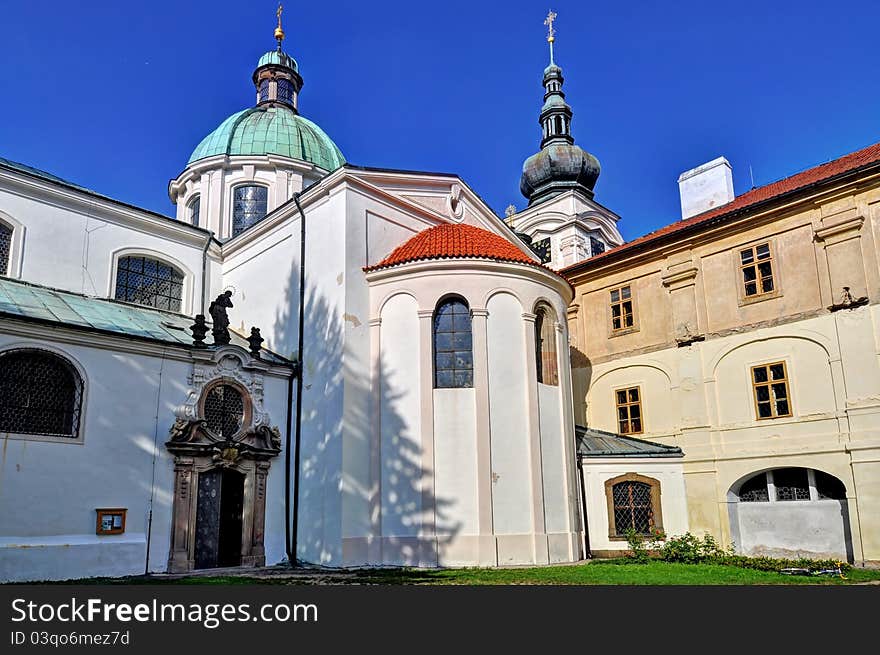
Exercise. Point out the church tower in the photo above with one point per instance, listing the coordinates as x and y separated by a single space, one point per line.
563 221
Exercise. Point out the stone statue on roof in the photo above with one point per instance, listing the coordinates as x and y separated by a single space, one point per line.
217 310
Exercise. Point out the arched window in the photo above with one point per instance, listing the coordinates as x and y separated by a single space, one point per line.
193 209
264 90
453 348
791 484
224 410
545 345
5 248
147 281
40 394
633 504
249 207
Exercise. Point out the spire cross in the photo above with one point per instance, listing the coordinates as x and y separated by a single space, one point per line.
279 32
551 33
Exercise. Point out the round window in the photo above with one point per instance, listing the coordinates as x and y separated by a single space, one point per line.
224 410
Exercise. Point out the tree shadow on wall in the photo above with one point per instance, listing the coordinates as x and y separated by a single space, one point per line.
342 508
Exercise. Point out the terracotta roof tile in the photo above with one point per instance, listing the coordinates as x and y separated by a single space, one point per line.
453 242
845 164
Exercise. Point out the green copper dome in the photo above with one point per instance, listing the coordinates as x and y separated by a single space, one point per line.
276 130
277 58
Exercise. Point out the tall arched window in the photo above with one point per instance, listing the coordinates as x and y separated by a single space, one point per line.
5 248
147 281
249 206
195 205
545 345
40 394
453 347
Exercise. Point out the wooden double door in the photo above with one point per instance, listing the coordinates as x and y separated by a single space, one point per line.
219 509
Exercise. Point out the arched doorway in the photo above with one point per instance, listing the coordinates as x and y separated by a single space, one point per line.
790 512
219 508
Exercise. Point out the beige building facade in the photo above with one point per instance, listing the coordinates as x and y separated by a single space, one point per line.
747 335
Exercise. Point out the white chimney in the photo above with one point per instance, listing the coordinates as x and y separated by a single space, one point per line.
705 187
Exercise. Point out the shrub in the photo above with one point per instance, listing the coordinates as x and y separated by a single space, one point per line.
640 545
690 549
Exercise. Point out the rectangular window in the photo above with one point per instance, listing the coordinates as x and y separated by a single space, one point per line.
757 270
772 399
621 309
629 410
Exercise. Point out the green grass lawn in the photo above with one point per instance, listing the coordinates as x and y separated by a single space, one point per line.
607 572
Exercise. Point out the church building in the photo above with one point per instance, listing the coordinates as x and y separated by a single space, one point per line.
338 365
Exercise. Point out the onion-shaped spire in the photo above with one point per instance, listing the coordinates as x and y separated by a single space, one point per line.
560 165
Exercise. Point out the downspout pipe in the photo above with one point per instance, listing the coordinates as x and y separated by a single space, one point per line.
293 509
205 272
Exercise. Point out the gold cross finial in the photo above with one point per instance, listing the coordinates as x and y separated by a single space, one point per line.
279 32
551 33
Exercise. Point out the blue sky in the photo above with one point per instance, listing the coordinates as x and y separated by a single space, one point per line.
116 95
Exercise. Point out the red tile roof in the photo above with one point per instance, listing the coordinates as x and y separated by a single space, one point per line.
454 242
846 164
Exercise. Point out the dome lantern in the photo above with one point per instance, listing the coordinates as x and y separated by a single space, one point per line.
276 76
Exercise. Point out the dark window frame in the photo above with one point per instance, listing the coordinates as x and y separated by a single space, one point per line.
22 394
144 280
6 232
452 344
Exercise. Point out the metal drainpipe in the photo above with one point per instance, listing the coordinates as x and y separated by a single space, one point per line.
292 530
587 552
205 270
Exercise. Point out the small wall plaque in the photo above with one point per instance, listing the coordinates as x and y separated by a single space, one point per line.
110 520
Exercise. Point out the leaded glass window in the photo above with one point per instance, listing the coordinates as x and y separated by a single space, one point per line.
224 410
754 490
195 206
829 487
791 484
250 205
453 351
5 248
596 247
40 394
264 90
149 282
285 91
633 508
